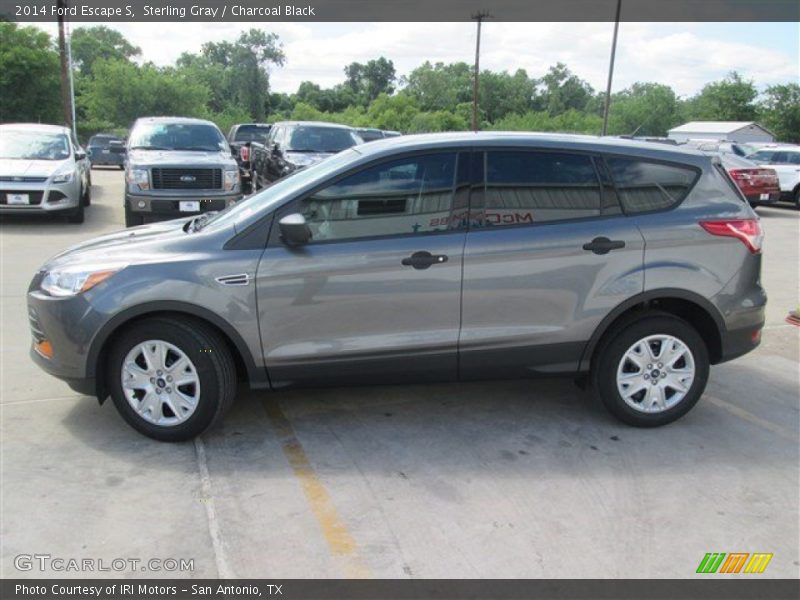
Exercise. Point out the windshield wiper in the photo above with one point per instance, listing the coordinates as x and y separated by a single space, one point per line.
149 148
304 150
197 148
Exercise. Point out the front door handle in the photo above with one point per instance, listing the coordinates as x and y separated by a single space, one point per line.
423 260
603 245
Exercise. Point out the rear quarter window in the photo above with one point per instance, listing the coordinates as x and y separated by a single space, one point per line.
645 186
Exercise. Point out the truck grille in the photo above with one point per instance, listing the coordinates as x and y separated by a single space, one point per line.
186 179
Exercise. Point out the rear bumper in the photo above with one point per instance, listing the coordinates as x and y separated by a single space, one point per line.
756 199
739 342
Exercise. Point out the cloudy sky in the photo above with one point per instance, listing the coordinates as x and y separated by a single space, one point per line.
683 55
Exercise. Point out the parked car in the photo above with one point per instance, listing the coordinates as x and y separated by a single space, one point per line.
435 257
293 145
370 134
785 160
106 149
723 147
758 184
43 170
240 137
177 167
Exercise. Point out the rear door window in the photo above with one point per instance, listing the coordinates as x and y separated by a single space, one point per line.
645 186
526 187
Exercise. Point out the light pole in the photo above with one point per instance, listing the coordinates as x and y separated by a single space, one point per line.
611 68
66 96
479 17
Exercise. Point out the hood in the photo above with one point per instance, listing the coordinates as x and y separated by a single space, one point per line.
25 167
179 158
136 244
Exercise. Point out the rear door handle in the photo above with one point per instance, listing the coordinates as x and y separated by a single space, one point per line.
603 245
423 260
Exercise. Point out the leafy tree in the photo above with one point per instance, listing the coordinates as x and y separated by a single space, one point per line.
90 44
369 80
441 120
779 111
30 81
644 109
440 86
119 92
731 99
560 90
502 94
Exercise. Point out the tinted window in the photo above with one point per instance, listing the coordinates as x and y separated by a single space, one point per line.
319 139
405 196
645 186
530 187
251 133
178 136
793 158
761 156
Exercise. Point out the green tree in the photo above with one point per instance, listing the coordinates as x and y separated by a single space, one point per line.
779 111
90 44
502 94
440 86
369 80
30 82
644 109
119 92
731 99
560 90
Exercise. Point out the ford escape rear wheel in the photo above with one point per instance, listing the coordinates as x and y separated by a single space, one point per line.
652 371
171 379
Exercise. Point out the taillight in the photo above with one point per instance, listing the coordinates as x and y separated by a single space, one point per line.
747 231
741 174
244 153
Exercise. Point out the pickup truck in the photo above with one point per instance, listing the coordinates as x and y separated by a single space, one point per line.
177 167
240 137
293 145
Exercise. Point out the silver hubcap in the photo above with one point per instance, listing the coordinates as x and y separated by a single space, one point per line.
655 373
160 383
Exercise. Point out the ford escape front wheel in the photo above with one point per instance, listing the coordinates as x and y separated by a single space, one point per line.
652 371
171 379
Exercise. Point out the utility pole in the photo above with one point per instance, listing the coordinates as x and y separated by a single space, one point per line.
66 97
611 68
479 17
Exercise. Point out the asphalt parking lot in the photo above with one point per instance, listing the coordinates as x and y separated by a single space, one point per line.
486 480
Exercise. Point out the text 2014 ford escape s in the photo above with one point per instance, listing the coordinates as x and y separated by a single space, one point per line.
452 256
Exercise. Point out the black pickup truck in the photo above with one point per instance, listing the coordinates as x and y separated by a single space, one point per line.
293 145
240 137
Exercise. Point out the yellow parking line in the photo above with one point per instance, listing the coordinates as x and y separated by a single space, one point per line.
340 542
751 418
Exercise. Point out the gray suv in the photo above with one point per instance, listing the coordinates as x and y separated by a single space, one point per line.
630 265
175 167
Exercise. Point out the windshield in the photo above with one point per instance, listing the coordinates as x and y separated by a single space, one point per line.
256 204
202 137
251 133
320 139
102 140
34 145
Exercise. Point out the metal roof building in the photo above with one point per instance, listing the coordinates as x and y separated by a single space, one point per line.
730 131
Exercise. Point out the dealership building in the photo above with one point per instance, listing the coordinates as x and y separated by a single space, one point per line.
729 131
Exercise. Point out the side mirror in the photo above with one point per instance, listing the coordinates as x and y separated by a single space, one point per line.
80 155
276 148
294 230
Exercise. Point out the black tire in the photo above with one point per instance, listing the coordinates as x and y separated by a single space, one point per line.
122 167
797 197
212 360
77 214
615 344
87 193
132 219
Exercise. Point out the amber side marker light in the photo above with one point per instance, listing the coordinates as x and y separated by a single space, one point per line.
45 348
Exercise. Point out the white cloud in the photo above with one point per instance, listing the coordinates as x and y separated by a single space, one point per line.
675 54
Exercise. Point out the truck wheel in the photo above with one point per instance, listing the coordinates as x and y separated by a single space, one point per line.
652 371
171 378
132 219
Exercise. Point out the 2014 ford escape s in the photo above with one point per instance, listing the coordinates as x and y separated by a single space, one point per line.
436 257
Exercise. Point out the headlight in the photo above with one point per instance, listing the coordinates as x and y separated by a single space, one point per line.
70 281
231 179
63 177
139 177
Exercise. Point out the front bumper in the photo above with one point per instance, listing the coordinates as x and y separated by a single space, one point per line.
42 197
169 206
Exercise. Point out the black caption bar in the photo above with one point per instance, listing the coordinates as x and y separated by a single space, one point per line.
401 10
385 589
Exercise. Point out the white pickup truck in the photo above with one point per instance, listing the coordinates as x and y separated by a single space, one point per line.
785 160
